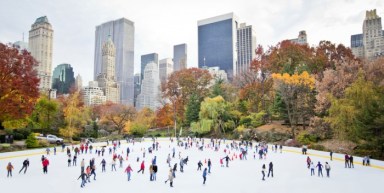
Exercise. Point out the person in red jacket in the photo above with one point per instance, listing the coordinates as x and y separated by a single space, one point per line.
141 168
45 165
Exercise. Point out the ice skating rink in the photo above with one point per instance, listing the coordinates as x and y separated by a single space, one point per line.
242 176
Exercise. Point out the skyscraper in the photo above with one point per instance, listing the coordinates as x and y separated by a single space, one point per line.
179 57
370 44
165 69
122 34
217 39
79 82
41 45
146 59
137 82
107 80
63 78
246 46
149 95
301 38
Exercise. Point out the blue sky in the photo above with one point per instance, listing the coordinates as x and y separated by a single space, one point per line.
160 24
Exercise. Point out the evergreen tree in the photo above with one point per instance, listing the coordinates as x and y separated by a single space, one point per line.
192 110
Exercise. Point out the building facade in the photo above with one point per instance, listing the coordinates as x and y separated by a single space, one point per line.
137 81
217 74
78 82
41 45
93 94
63 78
107 80
146 59
122 34
217 39
165 69
246 46
21 45
370 44
180 57
150 94
301 38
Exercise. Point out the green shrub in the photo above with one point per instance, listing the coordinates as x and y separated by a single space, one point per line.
317 147
306 138
25 132
43 143
31 141
138 130
18 136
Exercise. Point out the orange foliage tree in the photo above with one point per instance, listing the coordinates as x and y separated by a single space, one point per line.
18 83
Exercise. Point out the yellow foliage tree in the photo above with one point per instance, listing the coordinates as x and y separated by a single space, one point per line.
297 93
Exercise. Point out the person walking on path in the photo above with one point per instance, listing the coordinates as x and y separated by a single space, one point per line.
263 171
320 169
199 164
327 168
351 162
330 155
45 165
209 165
205 175
103 163
142 167
9 169
25 166
312 166
128 170
83 177
170 177
270 169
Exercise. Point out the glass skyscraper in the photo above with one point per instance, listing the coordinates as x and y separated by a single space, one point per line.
122 33
179 57
63 78
217 39
146 59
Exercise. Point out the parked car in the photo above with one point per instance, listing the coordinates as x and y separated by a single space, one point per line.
50 138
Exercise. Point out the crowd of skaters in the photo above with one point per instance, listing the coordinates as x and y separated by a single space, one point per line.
234 150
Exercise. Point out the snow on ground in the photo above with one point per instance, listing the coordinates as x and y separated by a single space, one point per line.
242 176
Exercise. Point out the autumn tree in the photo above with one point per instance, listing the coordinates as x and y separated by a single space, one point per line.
45 114
19 83
214 109
164 116
144 120
117 115
76 115
182 84
297 93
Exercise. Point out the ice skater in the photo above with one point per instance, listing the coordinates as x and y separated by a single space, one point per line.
205 175
45 165
320 169
113 164
331 154
83 177
270 169
226 160
209 165
351 162
128 170
25 166
263 171
170 177
312 166
9 169
74 160
327 168
142 167
103 163
199 164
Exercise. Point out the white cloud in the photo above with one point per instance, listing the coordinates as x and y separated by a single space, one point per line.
161 24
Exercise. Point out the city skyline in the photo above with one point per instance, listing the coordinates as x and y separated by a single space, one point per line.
156 32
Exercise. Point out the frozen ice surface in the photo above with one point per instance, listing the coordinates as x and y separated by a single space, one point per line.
243 176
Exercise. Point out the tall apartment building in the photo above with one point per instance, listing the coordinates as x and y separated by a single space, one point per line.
246 46
78 82
165 69
41 45
217 39
146 59
150 86
370 44
180 57
107 80
63 78
122 34
301 38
